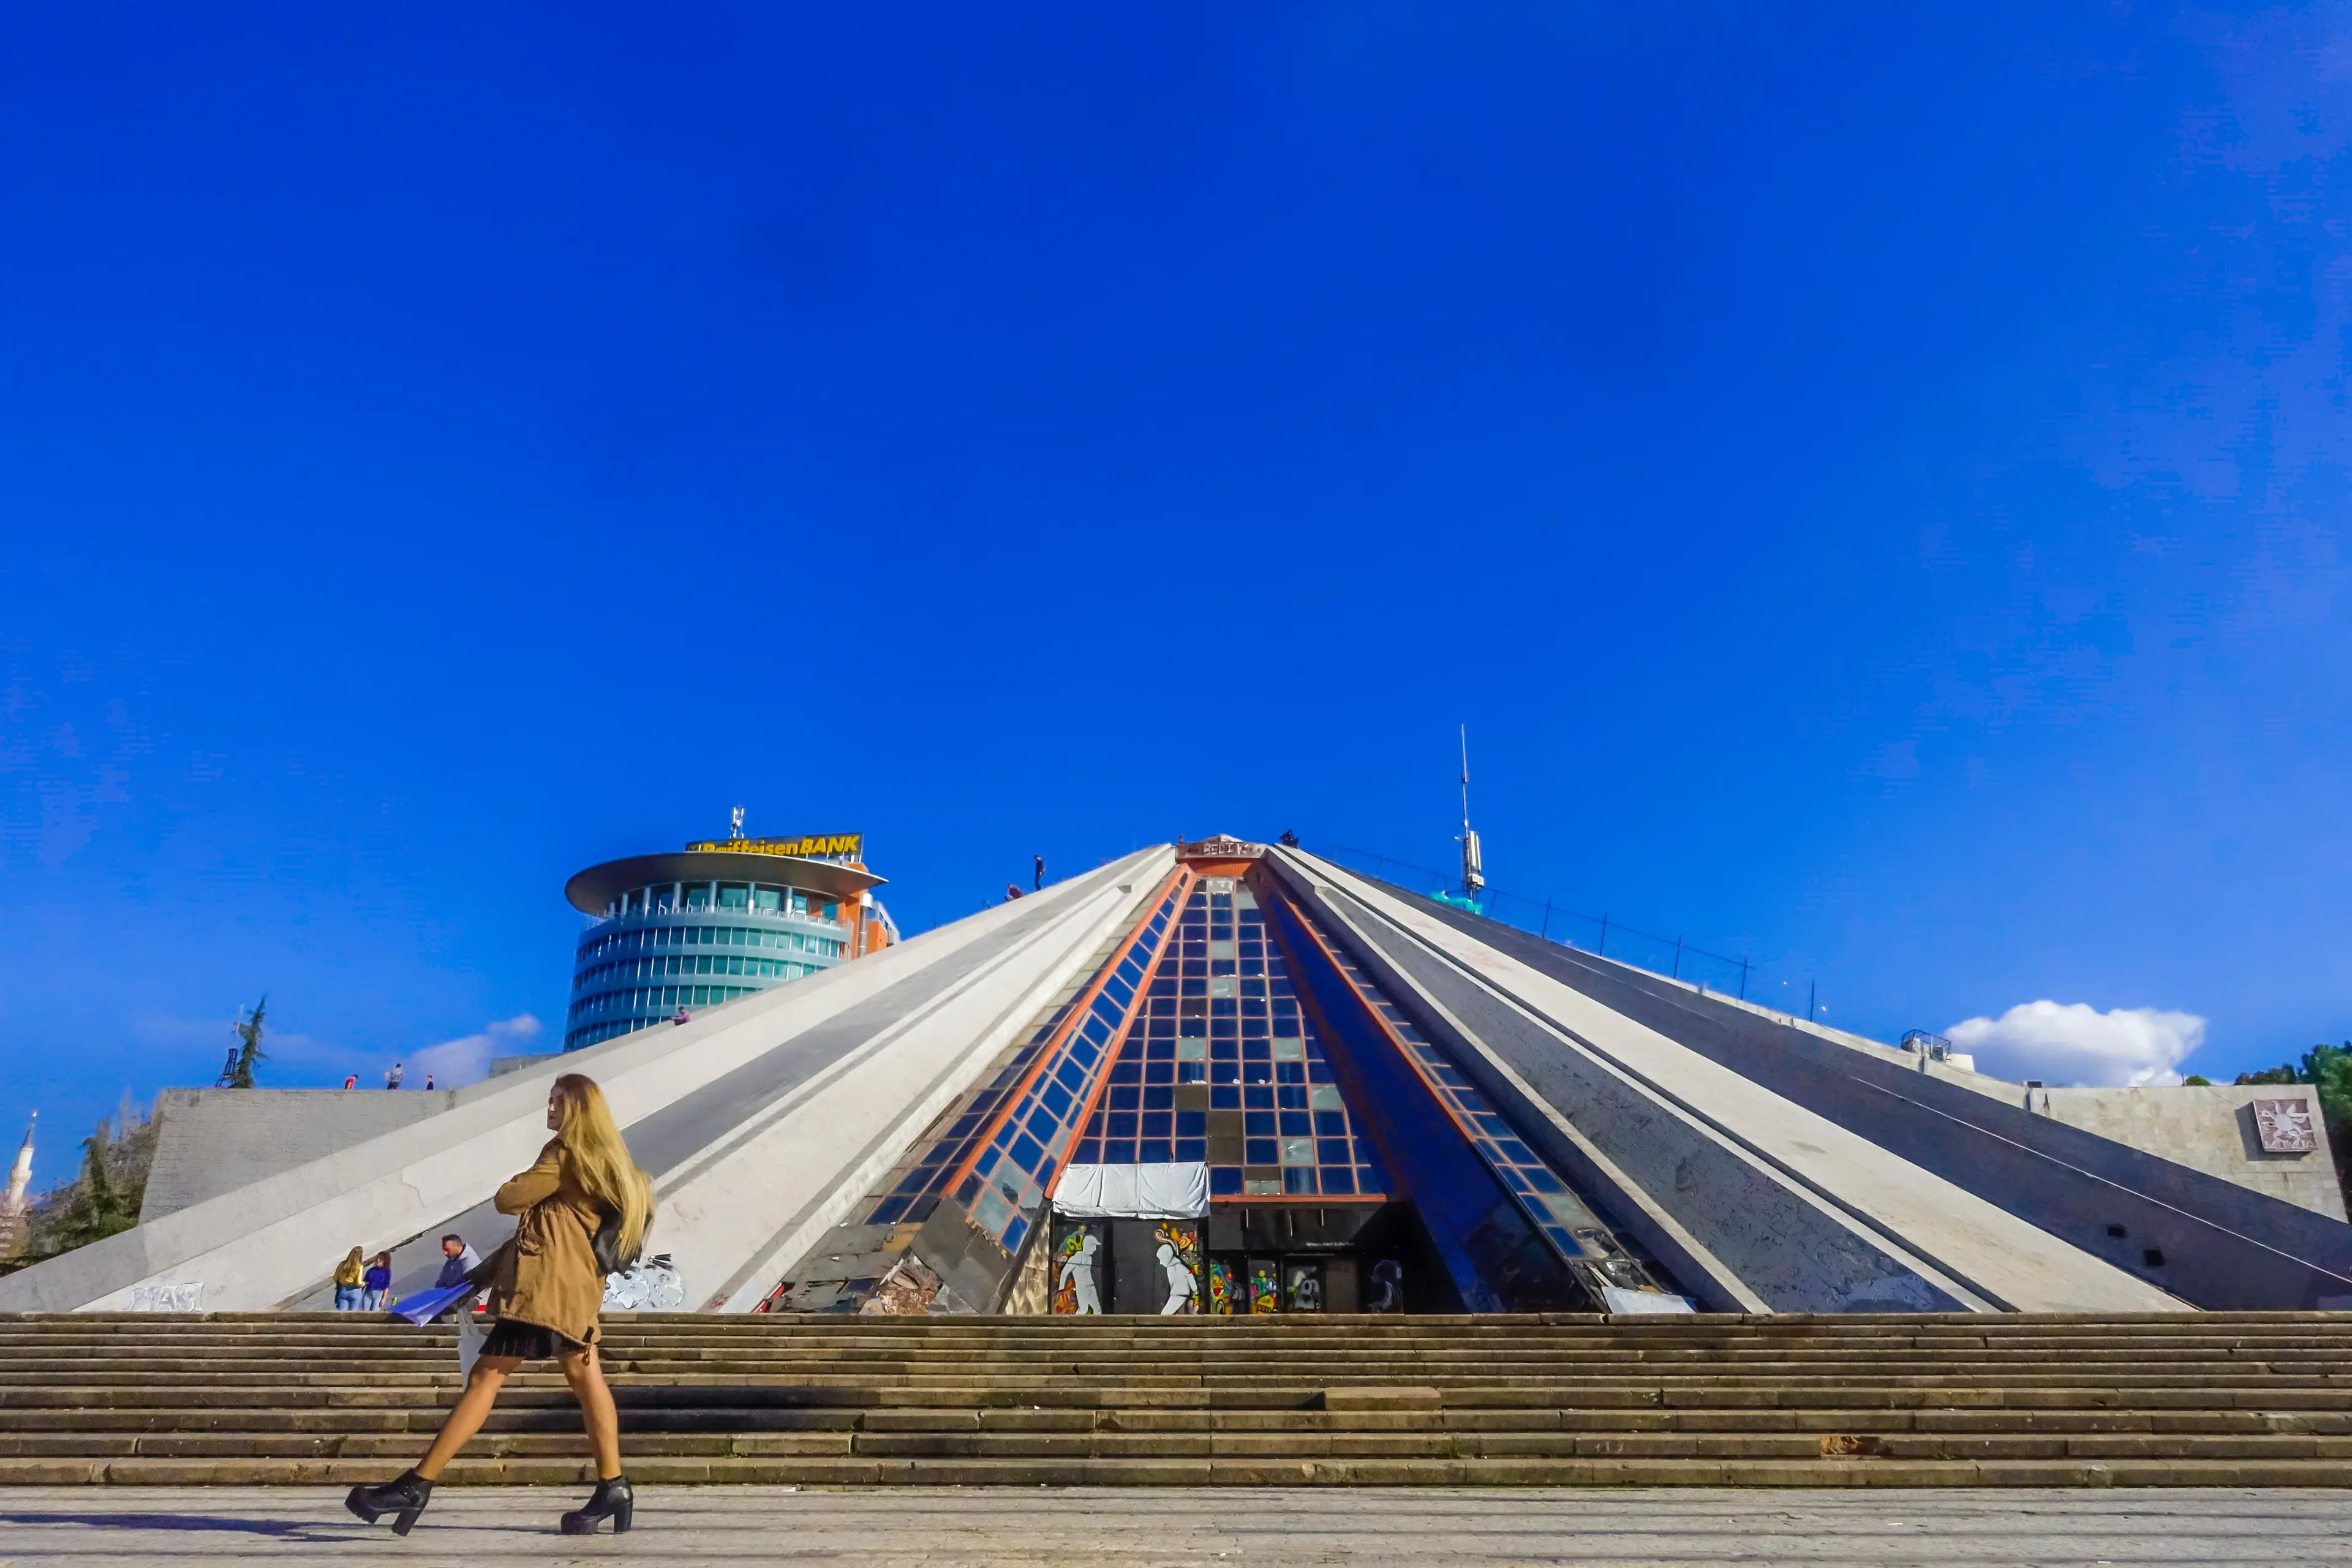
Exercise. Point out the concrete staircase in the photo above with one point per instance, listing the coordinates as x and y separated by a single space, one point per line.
2215 1399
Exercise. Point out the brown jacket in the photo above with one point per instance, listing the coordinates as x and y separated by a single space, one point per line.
547 1275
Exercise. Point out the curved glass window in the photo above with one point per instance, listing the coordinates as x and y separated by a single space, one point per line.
760 897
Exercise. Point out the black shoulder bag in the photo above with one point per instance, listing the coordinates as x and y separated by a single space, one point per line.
607 1246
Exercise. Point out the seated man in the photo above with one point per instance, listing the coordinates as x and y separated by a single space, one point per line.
457 1260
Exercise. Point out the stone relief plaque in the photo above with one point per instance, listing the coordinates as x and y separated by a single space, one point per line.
2285 1126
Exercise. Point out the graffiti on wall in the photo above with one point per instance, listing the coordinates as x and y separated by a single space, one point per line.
1223 1285
1078 1280
1264 1287
1177 1249
187 1298
1305 1286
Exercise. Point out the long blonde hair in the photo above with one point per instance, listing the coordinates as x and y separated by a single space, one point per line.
600 1160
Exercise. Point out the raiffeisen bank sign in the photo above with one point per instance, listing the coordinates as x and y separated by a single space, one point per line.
818 846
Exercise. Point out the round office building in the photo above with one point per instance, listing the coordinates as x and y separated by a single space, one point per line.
713 923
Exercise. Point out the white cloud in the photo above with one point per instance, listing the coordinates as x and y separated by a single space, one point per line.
2074 1043
453 1063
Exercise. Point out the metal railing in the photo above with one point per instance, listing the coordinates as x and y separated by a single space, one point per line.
1604 935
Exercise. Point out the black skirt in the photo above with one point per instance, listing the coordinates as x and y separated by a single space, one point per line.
528 1340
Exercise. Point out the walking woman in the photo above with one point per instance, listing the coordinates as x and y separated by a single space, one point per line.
545 1288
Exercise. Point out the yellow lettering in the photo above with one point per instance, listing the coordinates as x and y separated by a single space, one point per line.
812 844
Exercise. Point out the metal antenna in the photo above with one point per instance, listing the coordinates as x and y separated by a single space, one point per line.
1474 876
735 823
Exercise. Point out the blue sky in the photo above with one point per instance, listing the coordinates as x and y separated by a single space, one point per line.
1872 479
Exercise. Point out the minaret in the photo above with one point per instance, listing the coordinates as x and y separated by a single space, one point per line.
12 1207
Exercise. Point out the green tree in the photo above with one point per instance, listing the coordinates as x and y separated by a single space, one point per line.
249 1032
112 1209
103 1197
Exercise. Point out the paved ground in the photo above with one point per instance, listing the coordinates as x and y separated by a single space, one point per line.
678 1527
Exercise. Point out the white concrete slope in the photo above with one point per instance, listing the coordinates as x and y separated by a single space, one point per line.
805 1080
760 1195
1985 1251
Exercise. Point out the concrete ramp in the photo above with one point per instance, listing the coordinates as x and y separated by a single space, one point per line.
757 1119
2203 1239
1757 1201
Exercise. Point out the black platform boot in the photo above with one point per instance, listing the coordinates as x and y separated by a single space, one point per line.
614 1500
405 1497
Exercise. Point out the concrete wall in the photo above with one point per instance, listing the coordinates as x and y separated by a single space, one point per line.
501 1066
213 1141
754 1119
2209 1129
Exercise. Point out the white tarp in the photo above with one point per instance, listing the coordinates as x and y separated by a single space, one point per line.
1133 1191
1628 1302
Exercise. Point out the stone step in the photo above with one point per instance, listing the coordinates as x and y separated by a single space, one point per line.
99 1372
432 1358
628 1396
1554 1471
1196 1333
720 1419
414 1351
423 1352
2249 1399
1442 1318
1210 1344
1191 1354
1201 1446
1049 1396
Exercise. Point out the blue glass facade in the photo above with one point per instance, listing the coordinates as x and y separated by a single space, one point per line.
1048 1091
694 944
1267 1117
1543 1195
1344 1149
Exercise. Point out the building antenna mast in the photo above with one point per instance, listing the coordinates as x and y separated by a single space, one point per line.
735 823
1474 876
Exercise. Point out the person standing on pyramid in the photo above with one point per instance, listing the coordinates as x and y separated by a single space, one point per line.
375 1285
584 1209
350 1278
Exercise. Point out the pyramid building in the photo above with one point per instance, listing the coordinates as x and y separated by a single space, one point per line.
1224 1078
